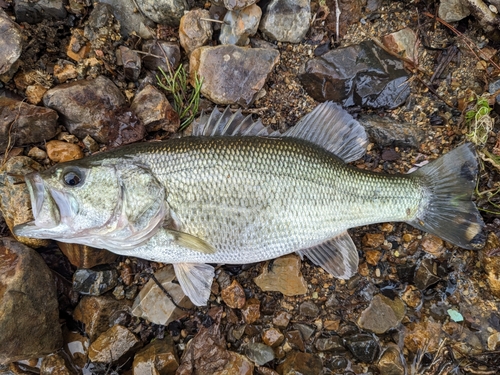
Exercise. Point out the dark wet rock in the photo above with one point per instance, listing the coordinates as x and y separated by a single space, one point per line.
131 21
11 45
453 10
165 12
223 67
234 295
25 123
363 346
60 151
382 315
94 282
294 339
283 275
432 245
286 21
251 310
373 240
332 344
301 363
87 107
113 344
76 347
83 256
309 309
29 322
362 74
158 357
338 363
272 337
426 274
195 32
386 132
34 11
124 128
305 330
259 353
403 43
56 364
94 313
15 201
491 263
155 111
391 362
240 25
130 61
154 305
281 319
161 54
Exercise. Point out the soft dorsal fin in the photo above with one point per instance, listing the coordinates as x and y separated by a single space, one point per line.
334 129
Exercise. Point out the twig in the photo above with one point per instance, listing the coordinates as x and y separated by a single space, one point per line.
167 293
212 20
337 16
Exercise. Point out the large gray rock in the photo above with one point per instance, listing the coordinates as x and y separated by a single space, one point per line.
195 32
286 20
29 319
11 45
453 10
167 12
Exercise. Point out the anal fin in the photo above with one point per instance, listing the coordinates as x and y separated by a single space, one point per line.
337 256
195 280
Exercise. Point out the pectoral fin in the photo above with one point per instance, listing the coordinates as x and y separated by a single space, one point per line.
195 280
337 256
190 242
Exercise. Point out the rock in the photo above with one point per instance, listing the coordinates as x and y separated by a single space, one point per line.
37 10
11 45
426 274
363 75
195 32
37 154
424 334
373 240
331 325
64 71
130 61
164 12
281 319
363 346
301 363
76 348
161 54
87 107
158 357
154 110
15 201
124 128
78 47
373 257
403 43
491 263
56 364
113 344
391 362
309 309
412 296
101 25
286 21
60 151
330 344
294 339
152 303
494 341
259 353
237 4
94 282
94 313
83 256
237 364
432 245
34 93
240 25
284 276
29 319
382 315
306 330
222 69
453 10
25 123
388 133
251 310
234 295
272 337
131 21
90 144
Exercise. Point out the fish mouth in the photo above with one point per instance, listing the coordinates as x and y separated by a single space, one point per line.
36 190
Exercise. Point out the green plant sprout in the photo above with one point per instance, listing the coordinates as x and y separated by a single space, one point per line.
478 121
186 100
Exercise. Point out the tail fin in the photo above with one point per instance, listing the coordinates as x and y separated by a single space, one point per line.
449 211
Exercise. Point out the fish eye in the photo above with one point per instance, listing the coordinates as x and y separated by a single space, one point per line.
73 178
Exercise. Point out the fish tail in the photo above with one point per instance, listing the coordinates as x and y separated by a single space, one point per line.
448 210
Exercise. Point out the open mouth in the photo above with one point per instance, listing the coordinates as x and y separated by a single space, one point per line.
37 192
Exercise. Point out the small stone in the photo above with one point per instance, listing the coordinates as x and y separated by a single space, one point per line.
382 315
286 21
60 151
83 256
332 325
131 21
363 346
234 295
412 296
432 245
240 25
494 341
373 256
37 154
194 30
55 364
403 43
163 12
294 339
158 357
27 11
130 61
284 276
281 319
90 144
491 263
113 344
390 362
386 132
251 310
453 10
259 353
306 330
34 93
330 344
161 54
423 335
11 45
309 309
76 347
237 4
373 240
96 281
426 274
301 363
272 337
78 47
64 72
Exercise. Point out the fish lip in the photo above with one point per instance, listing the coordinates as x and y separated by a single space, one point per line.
36 189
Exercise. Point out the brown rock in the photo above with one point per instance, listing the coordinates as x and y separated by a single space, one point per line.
432 245
423 335
83 256
272 337
491 263
60 151
195 32
29 318
34 93
373 257
390 362
412 296
251 310
403 43
332 325
76 347
158 357
78 47
234 295
37 154
301 363
11 45
284 276
65 72
113 344
281 319
373 240
55 364
236 365
382 314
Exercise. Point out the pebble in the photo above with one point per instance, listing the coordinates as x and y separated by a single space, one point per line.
286 20
494 341
453 10
240 25
306 330
29 322
309 309
281 319
60 151
294 339
222 68
251 310
363 346
373 257
194 30
37 154
332 325
94 282
391 362
426 274
11 45
432 245
234 295
301 363
237 364
90 144
161 54
130 61
403 43
424 334
237 4
152 303
164 12
386 132
158 357
382 314
78 47
259 353
412 296
64 71
56 364
83 256
272 337
373 240
332 344
284 276
131 21
76 347
27 11
491 263
113 344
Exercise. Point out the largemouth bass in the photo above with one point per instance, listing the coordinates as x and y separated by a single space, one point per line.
235 192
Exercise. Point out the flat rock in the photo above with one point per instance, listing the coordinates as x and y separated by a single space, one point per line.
37 10
403 43
259 353
272 337
83 256
382 315
251 310
363 346
95 282
131 21
386 132
301 363
165 12
232 74
29 322
161 54
195 32
286 20
283 276
332 344
240 25
11 45
25 123
111 345
154 305
424 334
130 61
453 10
60 151
426 274
234 295
158 357
309 309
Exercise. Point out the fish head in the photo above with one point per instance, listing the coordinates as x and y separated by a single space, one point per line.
106 204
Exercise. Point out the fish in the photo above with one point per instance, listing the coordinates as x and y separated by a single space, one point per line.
237 192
